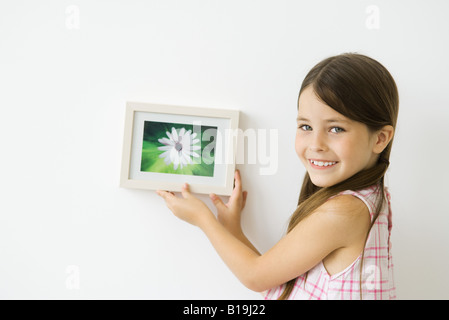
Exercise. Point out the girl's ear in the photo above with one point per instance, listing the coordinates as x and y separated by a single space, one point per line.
383 138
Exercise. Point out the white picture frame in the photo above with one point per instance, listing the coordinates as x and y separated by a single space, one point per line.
165 146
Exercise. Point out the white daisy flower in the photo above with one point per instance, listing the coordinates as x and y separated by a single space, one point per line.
179 147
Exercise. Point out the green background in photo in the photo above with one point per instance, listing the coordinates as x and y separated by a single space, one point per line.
151 162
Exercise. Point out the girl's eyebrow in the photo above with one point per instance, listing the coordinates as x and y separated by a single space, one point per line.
336 120
326 120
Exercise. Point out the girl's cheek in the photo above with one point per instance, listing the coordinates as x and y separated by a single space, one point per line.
299 146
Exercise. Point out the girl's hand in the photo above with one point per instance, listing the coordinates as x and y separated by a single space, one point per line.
229 214
188 208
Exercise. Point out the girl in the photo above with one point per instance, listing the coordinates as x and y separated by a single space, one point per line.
337 244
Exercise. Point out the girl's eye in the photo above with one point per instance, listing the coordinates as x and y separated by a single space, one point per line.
305 127
337 130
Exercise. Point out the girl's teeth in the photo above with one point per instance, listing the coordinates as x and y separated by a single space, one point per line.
323 164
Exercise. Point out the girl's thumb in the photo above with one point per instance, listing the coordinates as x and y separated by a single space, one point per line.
185 190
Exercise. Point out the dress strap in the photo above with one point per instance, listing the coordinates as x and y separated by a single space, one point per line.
390 219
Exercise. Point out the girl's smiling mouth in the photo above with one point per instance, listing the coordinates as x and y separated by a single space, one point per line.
322 164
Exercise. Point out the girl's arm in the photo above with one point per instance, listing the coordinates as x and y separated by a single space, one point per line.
229 214
226 237
333 226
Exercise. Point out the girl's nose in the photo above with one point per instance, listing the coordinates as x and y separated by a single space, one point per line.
318 143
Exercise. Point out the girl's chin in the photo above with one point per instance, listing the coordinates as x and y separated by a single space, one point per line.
323 183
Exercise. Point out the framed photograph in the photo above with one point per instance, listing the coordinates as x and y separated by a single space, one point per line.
165 146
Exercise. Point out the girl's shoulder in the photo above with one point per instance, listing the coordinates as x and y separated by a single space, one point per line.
367 196
349 215
345 204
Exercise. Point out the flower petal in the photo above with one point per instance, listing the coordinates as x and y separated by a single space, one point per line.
165 154
176 163
165 148
173 155
166 141
169 135
175 134
167 160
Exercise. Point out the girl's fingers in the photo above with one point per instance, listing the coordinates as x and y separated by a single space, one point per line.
237 180
237 192
164 194
245 195
237 185
185 191
216 200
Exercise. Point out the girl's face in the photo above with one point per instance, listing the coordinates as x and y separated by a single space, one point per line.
331 146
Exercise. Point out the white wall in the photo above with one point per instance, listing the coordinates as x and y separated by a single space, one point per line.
64 82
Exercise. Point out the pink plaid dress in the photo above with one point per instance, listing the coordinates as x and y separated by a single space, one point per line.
377 276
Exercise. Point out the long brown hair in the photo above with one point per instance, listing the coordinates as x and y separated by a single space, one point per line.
363 90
